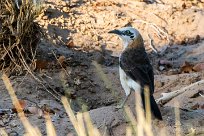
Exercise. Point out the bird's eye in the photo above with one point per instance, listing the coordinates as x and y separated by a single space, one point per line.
127 32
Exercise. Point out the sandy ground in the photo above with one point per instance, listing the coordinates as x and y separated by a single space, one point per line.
77 35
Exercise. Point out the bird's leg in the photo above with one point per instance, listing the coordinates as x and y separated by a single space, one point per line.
124 101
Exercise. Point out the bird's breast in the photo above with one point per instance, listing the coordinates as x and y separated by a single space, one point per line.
126 81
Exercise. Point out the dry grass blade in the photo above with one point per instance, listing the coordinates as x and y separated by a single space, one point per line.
129 131
147 106
50 127
29 128
70 114
162 132
177 119
79 123
140 115
3 132
148 127
102 75
142 125
131 118
105 79
92 131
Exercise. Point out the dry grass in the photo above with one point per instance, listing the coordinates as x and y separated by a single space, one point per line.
19 35
82 121
106 81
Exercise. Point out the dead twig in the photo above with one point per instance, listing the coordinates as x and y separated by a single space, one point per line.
160 33
151 44
60 63
54 93
201 95
19 34
168 96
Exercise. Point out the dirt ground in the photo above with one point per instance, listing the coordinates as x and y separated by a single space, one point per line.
77 36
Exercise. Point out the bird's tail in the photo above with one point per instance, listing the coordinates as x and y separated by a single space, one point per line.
154 107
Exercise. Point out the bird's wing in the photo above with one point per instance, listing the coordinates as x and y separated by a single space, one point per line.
137 66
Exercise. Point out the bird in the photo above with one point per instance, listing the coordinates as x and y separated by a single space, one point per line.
135 68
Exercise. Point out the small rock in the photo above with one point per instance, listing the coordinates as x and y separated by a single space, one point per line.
13 133
91 90
159 84
202 106
1 123
201 122
70 44
161 68
65 9
63 3
45 17
195 107
199 67
13 125
54 41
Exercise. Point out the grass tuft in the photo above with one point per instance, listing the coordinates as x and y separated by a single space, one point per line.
19 35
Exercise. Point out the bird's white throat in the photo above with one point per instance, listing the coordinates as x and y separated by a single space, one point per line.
125 44
125 41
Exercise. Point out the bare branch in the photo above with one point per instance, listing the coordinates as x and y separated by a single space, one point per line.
166 97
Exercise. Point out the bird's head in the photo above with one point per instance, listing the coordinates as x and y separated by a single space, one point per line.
127 34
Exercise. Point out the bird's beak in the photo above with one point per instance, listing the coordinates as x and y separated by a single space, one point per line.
118 32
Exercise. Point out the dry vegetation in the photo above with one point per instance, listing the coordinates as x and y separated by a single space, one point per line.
79 60
82 122
19 35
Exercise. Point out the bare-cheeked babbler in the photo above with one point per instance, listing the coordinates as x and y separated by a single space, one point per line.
135 68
